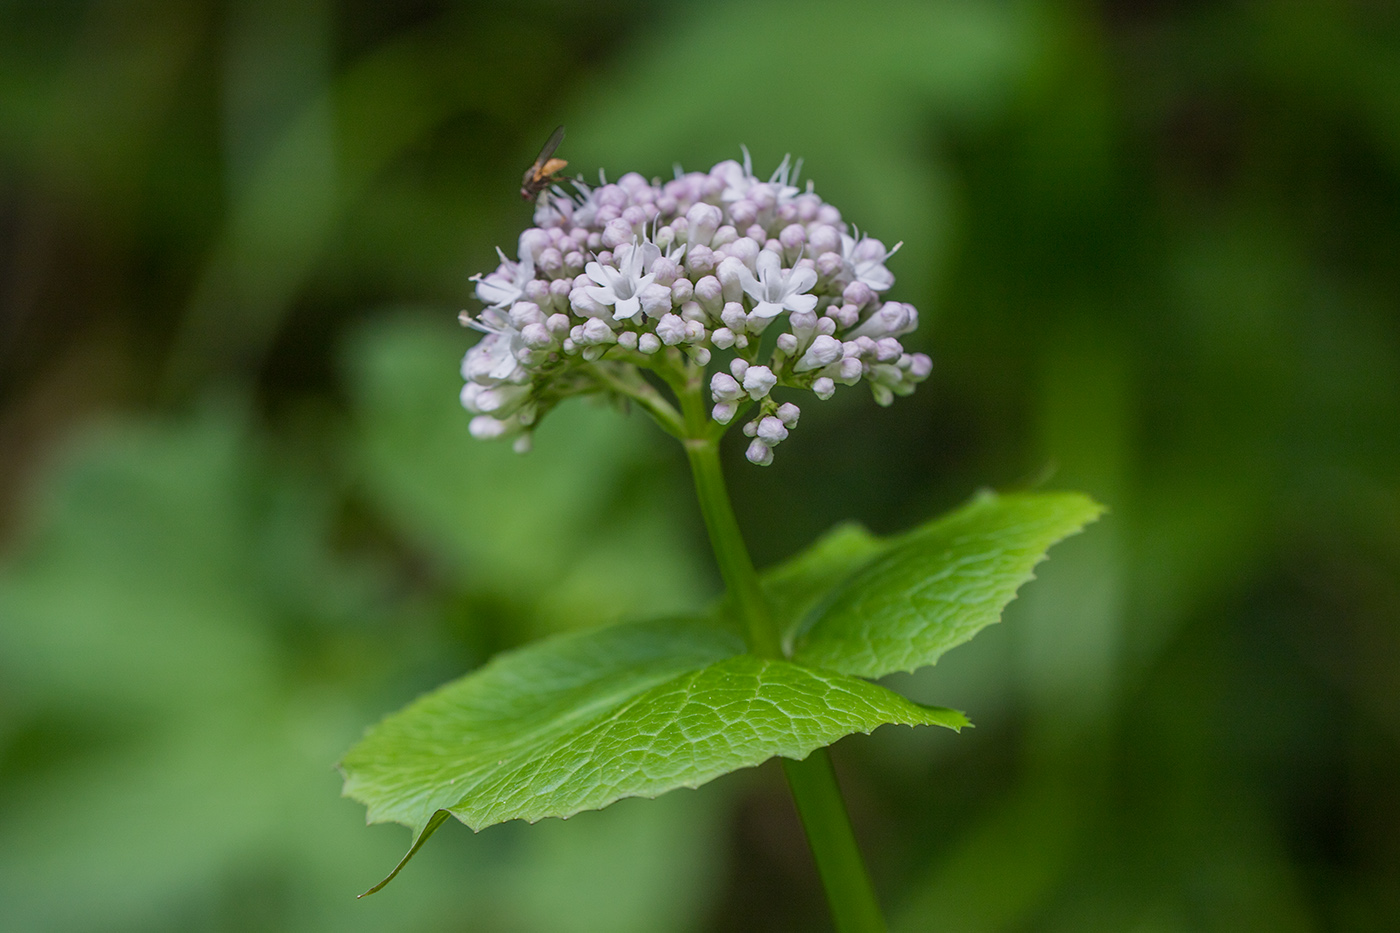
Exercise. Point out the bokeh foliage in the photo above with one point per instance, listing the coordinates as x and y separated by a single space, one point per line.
1154 245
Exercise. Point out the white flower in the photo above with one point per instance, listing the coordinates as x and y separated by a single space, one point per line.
621 286
494 358
864 261
738 179
507 284
776 289
786 172
495 400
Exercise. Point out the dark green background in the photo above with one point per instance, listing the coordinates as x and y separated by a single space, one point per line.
1156 249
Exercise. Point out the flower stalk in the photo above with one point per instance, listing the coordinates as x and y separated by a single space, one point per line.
849 893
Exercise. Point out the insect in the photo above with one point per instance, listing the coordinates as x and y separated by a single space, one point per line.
540 175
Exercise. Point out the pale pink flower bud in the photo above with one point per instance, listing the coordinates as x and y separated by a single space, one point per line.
537 290
771 431
671 329
888 350
665 271
710 294
829 264
551 262
703 220
534 241
734 316
728 272
823 352
759 453
537 336
724 388
616 233
700 260
656 300
793 237
743 212
486 428
759 381
858 293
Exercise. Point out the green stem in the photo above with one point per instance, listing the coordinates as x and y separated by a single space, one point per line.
823 812
814 789
735 566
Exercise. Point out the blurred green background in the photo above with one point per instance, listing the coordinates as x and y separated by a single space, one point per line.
1156 246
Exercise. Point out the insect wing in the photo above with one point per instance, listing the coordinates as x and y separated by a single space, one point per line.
550 145
537 176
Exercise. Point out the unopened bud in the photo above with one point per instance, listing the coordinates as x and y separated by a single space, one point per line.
759 381
671 329
823 352
771 430
759 453
617 232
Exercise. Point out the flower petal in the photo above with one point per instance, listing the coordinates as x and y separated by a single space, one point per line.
800 302
769 267
627 308
604 296
802 279
751 286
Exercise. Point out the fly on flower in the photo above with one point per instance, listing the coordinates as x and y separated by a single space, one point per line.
540 175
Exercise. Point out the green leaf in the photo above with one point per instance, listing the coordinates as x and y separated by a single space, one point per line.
935 587
796 586
576 722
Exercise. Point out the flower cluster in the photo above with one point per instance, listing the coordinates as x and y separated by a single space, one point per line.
662 277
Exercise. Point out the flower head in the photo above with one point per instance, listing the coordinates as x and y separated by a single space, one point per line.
678 277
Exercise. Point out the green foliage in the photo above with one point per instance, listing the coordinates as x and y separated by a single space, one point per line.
183 653
936 587
577 722
582 512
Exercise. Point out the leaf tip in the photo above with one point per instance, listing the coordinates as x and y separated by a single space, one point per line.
437 819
